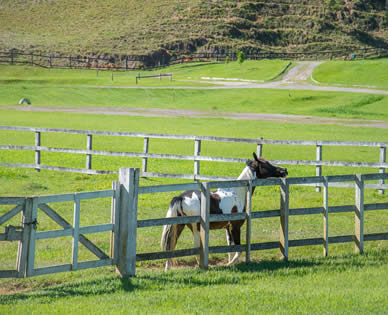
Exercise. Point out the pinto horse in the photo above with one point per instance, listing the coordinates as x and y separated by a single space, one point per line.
222 201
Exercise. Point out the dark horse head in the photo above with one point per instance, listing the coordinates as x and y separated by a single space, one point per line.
264 169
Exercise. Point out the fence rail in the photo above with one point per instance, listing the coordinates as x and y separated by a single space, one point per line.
124 222
136 62
258 144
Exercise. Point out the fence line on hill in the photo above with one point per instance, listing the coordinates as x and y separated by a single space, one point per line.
382 165
124 222
136 62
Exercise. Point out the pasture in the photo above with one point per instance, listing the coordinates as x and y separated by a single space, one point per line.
342 283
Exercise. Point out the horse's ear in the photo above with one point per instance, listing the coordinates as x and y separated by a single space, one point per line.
255 157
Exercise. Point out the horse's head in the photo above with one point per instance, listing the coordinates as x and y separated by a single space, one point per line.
264 169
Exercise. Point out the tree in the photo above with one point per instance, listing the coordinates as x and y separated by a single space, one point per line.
241 57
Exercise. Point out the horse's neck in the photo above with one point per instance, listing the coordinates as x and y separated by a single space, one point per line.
246 174
241 192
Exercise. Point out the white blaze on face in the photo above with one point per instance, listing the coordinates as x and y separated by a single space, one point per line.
191 205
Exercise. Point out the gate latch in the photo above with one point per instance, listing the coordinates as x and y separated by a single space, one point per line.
13 233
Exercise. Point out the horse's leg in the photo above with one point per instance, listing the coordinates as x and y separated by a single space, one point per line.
169 261
229 239
197 237
236 231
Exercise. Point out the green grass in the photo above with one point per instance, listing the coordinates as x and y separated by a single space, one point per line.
347 284
341 283
52 87
369 73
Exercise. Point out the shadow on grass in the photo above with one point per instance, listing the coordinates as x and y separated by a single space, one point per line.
195 277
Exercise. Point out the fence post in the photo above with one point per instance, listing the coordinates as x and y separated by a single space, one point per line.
318 168
76 218
284 206
37 151
197 152
129 182
89 145
259 149
325 216
383 159
11 57
23 243
204 226
33 204
249 223
114 237
145 150
359 215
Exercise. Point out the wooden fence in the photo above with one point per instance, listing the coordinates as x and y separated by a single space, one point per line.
136 62
257 145
124 222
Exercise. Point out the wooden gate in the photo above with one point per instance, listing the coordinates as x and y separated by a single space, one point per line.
27 234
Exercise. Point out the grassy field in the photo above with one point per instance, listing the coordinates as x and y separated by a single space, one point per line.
53 87
341 283
370 73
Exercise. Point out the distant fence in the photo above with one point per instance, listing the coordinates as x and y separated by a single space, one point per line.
257 145
136 62
124 222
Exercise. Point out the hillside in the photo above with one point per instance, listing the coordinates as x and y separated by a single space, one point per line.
165 27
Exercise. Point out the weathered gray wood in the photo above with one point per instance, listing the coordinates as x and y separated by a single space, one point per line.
95 263
248 212
52 269
21 263
89 147
376 237
58 168
226 249
55 198
32 232
114 238
341 239
63 223
37 152
107 227
318 169
341 209
10 214
359 216
144 167
264 246
197 152
203 138
8 274
12 200
306 211
383 159
168 254
129 180
305 242
76 218
168 188
94 194
165 221
191 157
375 206
325 217
227 217
53 234
284 206
204 226
265 214
228 184
266 182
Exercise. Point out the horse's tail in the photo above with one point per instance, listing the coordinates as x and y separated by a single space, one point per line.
169 236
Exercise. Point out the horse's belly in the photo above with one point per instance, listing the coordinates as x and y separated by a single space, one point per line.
231 203
191 206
